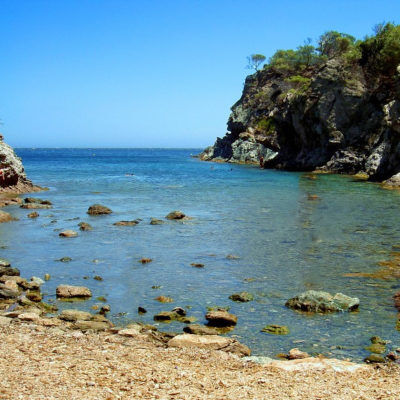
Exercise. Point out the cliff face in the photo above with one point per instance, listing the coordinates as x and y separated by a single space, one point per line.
337 117
12 174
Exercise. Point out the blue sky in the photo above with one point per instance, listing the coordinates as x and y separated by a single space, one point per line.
162 73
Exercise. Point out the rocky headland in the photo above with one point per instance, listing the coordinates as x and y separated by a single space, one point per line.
333 108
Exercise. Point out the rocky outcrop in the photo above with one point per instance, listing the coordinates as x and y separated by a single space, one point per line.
13 178
336 117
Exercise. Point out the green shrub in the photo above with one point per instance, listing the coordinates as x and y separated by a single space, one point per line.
266 125
300 84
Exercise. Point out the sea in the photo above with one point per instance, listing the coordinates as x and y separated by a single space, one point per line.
291 232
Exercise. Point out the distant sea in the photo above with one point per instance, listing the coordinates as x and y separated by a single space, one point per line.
286 242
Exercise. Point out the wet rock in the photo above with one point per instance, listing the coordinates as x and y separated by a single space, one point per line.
36 200
374 359
68 233
9 271
47 277
376 348
142 310
33 214
101 298
176 314
84 226
210 342
276 329
69 291
197 265
323 302
37 280
4 263
97 278
196 329
6 217
175 215
242 297
65 259
75 315
155 221
126 223
377 340
98 209
179 310
145 260
296 354
221 318
104 309
164 299
34 295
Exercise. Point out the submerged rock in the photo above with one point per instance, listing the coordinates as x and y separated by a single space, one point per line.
296 354
276 329
210 342
164 299
323 302
33 214
242 297
69 291
68 234
84 226
98 209
6 217
197 265
221 318
65 259
126 223
145 260
196 329
374 359
155 221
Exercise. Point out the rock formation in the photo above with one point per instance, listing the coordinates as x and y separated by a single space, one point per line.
335 116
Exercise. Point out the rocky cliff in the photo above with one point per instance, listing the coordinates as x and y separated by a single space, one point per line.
13 178
335 116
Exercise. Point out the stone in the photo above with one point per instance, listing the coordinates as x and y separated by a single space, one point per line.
96 326
68 233
175 215
5 321
47 277
84 226
105 309
28 317
197 265
323 302
242 297
9 271
65 259
30 206
75 315
145 260
209 342
34 295
276 329
296 354
11 284
126 223
129 332
97 278
4 263
6 217
69 291
6 293
142 310
155 221
164 299
98 209
221 318
376 348
37 280
374 359
165 316
196 329
232 257
33 214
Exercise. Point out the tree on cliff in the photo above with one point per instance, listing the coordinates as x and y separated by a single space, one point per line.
255 61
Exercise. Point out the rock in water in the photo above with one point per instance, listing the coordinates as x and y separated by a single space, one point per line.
69 291
68 233
155 221
221 318
84 226
176 215
323 302
98 209
6 217
276 329
242 297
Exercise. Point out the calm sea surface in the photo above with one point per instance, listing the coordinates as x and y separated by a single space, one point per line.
287 243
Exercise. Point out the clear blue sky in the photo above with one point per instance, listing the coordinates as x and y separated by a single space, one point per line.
150 73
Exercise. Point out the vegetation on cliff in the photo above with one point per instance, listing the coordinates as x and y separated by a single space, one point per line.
334 106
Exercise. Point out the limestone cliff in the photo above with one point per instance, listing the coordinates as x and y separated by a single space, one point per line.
13 178
339 117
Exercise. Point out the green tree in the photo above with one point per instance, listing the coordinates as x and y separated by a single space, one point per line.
333 43
254 61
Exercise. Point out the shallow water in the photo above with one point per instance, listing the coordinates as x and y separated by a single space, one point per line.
287 243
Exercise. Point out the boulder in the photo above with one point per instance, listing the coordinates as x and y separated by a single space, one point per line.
242 297
96 326
221 318
296 354
98 209
176 215
7 293
323 302
9 271
28 316
75 315
6 217
69 291
34 295
209 342
276 329
68 233
84 226
33 206
374 359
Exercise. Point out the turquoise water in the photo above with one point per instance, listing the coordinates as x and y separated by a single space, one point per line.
286 243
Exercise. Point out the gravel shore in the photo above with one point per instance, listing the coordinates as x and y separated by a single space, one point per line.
38 362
